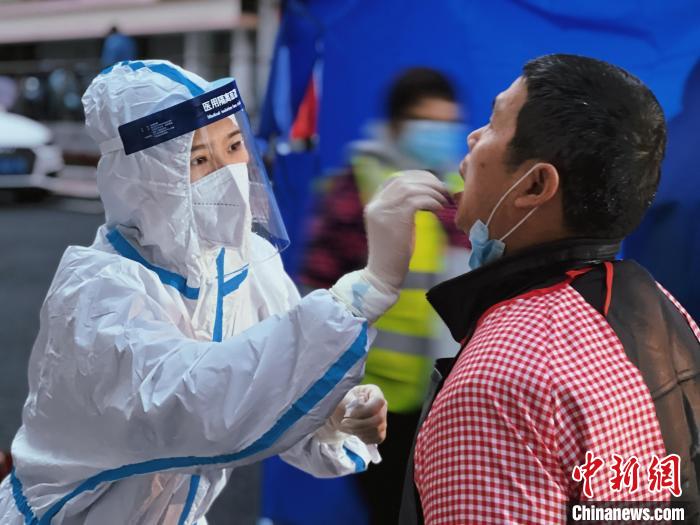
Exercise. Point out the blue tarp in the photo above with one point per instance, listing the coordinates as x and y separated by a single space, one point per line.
481 45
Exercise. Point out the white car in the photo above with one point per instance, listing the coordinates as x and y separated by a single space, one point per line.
27 156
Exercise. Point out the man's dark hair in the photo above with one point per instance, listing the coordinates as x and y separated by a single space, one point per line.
413 86
603 130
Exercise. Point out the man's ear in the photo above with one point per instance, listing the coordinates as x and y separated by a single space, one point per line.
539 187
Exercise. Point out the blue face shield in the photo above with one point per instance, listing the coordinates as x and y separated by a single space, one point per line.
434 144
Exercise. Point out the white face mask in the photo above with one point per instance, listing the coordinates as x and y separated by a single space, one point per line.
221 208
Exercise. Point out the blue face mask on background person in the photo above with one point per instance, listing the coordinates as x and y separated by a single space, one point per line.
434 144
485 250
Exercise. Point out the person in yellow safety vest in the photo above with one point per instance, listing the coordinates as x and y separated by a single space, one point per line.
424 130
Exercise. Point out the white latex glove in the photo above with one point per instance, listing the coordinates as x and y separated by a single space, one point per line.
389 220
361 413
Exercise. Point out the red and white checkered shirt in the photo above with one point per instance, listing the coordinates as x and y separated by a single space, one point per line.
543 379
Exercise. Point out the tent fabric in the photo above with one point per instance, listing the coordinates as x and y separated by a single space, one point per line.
293 497
482 46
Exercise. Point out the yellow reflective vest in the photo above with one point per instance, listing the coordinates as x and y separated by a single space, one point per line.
400 359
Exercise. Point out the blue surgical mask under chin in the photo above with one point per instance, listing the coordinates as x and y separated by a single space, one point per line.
484 249
434 144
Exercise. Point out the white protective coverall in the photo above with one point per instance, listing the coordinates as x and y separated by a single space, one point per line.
160 365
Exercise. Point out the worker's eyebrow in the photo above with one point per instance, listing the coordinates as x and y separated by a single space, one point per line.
229 136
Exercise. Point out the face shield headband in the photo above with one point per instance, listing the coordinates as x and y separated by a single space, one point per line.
175 121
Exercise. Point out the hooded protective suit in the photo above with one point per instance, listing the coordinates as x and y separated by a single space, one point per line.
164 361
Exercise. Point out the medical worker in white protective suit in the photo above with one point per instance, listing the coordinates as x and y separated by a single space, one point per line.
176 348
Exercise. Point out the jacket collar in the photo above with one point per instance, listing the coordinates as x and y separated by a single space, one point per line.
462 300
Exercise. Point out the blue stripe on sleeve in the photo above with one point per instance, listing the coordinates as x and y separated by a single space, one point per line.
300 408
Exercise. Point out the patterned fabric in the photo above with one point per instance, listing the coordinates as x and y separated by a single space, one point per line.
337 238
543 380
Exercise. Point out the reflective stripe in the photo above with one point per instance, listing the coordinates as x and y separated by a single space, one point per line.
123 248
360 465
194 485
411 315
404 344
419 281
299 409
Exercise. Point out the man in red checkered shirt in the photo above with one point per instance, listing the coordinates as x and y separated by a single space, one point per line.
577 374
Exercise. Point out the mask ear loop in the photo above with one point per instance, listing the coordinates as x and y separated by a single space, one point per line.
533 210
500 201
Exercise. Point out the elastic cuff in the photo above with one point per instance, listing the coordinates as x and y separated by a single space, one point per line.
357 292
368 453
330 436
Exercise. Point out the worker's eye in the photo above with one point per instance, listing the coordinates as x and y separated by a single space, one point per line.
198 160
235 146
